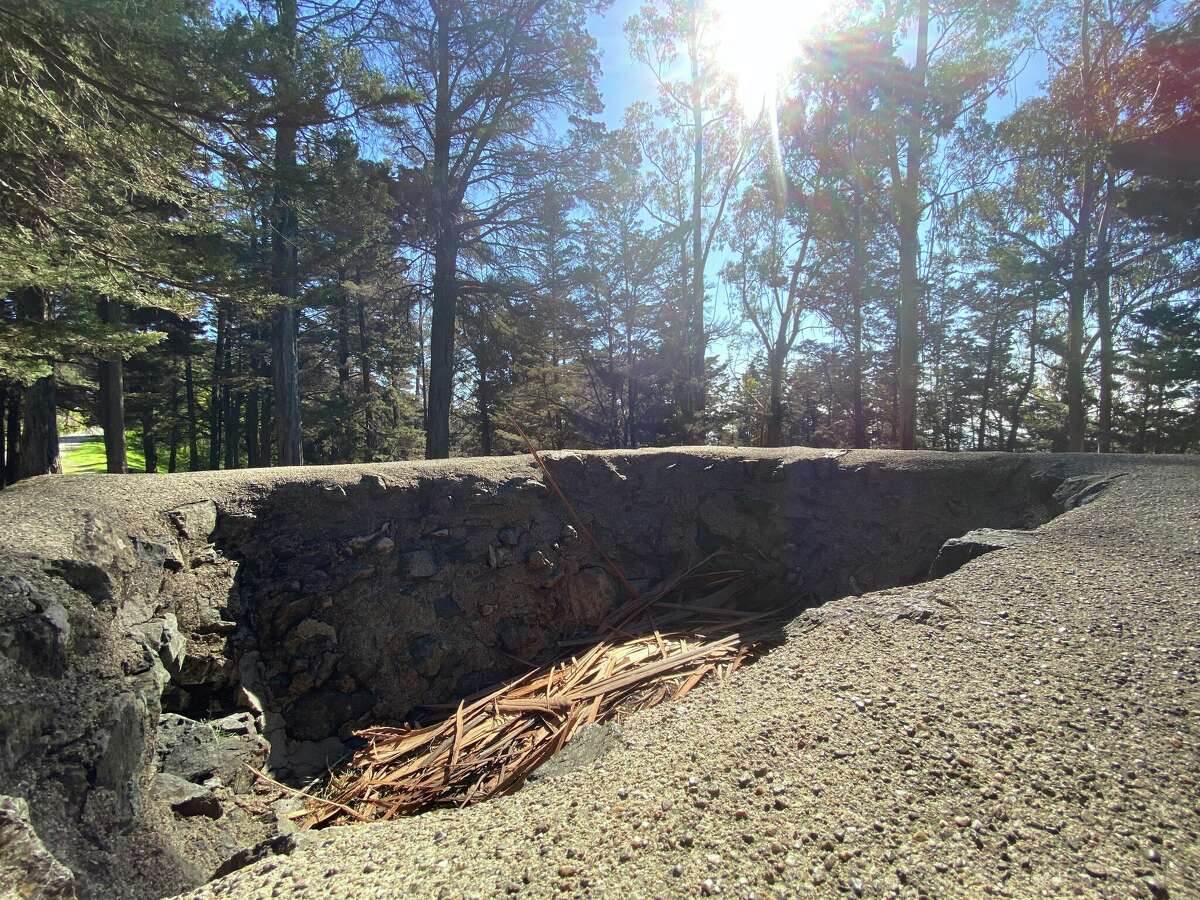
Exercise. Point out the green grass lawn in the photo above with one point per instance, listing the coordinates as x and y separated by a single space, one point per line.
88 456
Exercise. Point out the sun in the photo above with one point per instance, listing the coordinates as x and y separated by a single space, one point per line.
756 41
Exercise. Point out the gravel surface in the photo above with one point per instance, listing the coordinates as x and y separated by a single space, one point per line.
1023 727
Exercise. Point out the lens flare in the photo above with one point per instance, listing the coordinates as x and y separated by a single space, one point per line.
756 41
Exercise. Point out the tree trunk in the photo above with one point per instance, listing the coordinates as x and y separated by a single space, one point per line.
346 439
284 259
445 277
774 434
216 403
12 450
39 430
366 385
857 299
6 394
111 379
189 384
1077 291
173 435
483 399
985 392
698 349
1105 319
233 438
1030 375
38 445
265 432
149 440
250 431
909 221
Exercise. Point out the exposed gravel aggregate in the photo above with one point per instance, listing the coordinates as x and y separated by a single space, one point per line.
1024 727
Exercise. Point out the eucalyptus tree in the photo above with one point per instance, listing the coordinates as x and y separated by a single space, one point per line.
960 59
1062 202
703 150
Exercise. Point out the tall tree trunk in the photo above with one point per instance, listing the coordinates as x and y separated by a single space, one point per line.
250 430
698 349
346 438
173 435
216 397
149 440
484 402
111 379
38 444
367 383
774 432
265 432
988 375
909 221
445 257
284 259
12 439
1104 318
39 430
1077 291
230 401
1018 404
189 385
233 437
857 291
6 394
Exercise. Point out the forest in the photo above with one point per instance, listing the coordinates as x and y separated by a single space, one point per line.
246 233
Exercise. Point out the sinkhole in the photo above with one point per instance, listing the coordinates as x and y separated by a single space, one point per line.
344 601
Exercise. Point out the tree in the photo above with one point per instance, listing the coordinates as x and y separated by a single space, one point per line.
490 75
700 154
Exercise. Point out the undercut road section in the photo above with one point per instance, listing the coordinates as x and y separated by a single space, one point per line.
1026 726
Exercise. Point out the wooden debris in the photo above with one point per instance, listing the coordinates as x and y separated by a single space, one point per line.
489 745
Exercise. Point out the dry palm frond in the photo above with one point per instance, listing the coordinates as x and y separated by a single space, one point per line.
488 746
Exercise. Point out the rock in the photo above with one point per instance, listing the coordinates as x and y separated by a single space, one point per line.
280 845
120 762
417 564
374 483
1082 489
197 751
319 715
102 560
428 652
186 798
195 521
39 636
957 552
517 637
235 723
164 640
308 758
383 545
508 535
310 630
27 869
590 595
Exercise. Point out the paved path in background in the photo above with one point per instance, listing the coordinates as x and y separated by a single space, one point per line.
1024 727
69 443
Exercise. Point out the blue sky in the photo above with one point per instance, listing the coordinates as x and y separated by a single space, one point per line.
624 80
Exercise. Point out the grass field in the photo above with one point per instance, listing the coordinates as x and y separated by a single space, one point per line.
88 456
